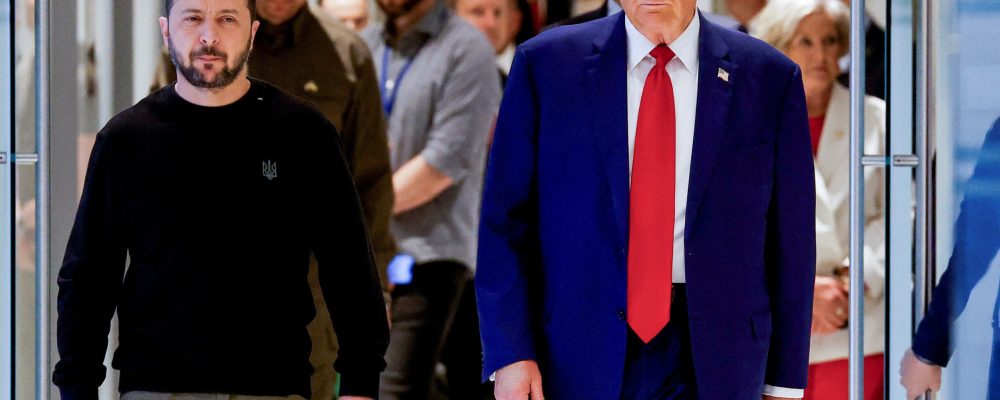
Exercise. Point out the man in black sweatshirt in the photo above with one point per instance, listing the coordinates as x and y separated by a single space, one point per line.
217 189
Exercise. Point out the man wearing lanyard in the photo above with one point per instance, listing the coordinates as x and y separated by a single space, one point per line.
440 92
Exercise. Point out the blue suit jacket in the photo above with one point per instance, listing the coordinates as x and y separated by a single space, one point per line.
551 279
977 240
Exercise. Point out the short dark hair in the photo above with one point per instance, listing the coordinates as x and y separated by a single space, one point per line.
251 4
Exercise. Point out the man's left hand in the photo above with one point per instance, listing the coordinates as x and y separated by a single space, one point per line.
918 377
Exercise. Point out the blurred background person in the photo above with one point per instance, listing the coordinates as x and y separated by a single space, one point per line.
874 52
333 70
440 94
499 20
814 34
352 13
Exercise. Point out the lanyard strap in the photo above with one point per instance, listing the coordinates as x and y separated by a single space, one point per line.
388 86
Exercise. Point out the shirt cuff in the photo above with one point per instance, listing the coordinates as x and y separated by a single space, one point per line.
493 377
451 163
778 391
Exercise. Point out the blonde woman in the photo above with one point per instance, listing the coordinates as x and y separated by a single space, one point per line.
814 34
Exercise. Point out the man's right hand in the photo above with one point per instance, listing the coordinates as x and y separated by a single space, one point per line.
519 381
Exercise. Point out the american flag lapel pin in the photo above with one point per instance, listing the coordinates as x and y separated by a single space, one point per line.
724 75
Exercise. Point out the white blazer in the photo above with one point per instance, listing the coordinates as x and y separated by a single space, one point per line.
832 215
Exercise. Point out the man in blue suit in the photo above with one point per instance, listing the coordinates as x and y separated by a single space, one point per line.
647 226
977 241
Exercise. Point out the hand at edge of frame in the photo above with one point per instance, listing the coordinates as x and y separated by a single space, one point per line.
519 381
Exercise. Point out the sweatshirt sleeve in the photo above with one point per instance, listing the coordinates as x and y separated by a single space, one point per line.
347 271
90 280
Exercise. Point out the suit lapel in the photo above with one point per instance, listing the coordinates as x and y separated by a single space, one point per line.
711 114
608 111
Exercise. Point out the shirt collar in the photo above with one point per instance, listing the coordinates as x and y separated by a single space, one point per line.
506 58
685 46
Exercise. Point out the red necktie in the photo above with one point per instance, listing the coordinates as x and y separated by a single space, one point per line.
651 203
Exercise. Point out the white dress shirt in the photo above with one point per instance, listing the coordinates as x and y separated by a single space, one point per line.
683 72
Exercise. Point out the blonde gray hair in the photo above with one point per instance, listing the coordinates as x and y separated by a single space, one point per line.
777 22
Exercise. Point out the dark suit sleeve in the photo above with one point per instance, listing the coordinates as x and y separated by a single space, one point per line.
90 280
508 246
347 272
977 240
791 243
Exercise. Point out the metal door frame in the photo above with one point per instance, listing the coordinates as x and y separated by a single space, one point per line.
6 202
900 269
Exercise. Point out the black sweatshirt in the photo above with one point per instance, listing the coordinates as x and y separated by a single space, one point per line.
218 209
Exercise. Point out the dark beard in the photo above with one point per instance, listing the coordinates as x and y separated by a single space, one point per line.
224 78
402 10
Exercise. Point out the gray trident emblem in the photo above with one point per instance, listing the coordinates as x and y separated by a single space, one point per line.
270 170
